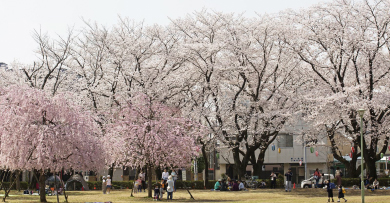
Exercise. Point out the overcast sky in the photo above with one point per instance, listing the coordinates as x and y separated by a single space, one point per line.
18 19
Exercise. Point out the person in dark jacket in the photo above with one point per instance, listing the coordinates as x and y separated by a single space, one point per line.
341 193
329 190
273 180
224 185
288 175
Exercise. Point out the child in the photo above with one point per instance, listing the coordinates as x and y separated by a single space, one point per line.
341 193
139 184
135 187
156 192
329 190
162 189
109 184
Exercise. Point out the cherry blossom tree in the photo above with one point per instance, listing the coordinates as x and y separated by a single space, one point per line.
145 133
44 133
49 71
124 60
243 84
345 46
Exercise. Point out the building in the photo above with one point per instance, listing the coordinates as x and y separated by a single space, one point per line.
292 155
3 65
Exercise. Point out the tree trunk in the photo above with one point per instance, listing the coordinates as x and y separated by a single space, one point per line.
369 160
158 172
17 176
111 171
149 171
206 167
258 164
42 192
241 163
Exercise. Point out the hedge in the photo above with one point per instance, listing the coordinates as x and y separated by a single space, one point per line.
129 184
23 185
356 181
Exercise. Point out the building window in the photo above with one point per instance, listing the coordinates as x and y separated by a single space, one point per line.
285 140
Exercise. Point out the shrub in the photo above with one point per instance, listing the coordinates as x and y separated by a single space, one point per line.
23 185
347 181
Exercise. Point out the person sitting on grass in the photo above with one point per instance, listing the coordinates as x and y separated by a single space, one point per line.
217 185
224 186
241 186
235 186
375 184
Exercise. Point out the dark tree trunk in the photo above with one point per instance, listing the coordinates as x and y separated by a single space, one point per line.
258 163
149 171
17 176
369 160
206 167
42 192
111 171
241 163
350 165
158 172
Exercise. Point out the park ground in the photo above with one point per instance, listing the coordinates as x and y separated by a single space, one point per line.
260 195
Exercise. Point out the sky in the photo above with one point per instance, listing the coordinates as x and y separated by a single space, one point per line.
19 19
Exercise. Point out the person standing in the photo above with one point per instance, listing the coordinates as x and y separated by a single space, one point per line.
142 176
273 180
174 176
165 175
288 175
104 185
109 184
329 190
341 193
338 176
317 176
170 187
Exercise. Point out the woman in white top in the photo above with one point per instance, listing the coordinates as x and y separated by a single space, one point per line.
170 187
109 184
165 175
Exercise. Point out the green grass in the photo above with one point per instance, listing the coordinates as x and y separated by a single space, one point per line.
260 195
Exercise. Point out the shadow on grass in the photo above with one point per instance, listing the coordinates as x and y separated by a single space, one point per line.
322 192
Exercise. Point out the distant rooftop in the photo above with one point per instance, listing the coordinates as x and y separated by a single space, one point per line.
3 64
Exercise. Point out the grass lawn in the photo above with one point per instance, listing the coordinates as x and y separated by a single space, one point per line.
260 195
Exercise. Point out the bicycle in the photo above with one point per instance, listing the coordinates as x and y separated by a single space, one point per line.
250 182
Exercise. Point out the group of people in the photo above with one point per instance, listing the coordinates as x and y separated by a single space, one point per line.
330 186
106 184
229 185
368 184
167 185
140 183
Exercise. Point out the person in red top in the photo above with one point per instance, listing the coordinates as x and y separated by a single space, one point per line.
317 176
